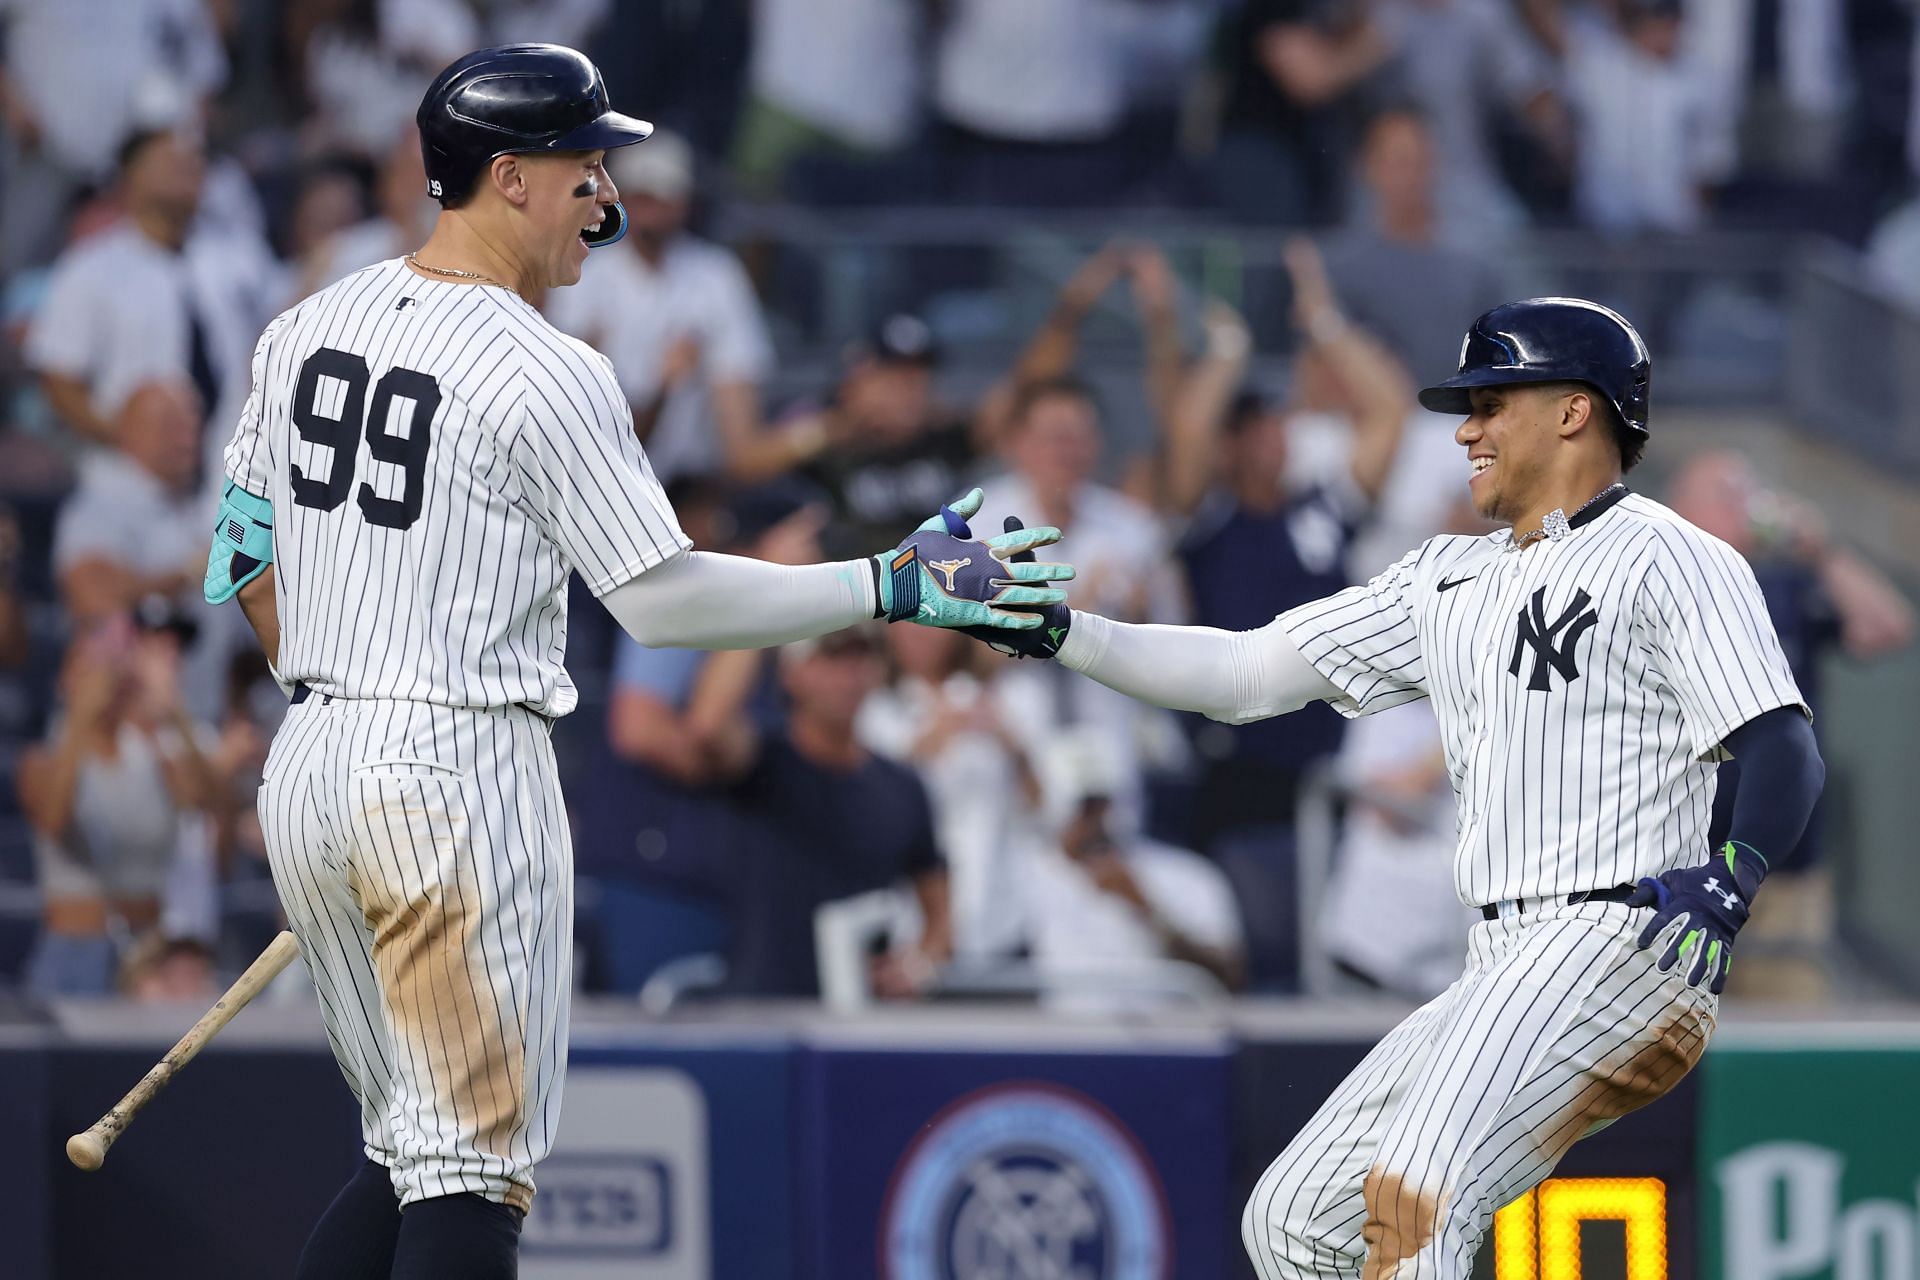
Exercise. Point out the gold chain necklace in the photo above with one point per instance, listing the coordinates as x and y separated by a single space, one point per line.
413 259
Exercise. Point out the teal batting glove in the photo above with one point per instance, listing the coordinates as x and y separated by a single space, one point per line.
942 576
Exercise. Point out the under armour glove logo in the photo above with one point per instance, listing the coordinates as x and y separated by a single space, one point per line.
1728 899
1701 911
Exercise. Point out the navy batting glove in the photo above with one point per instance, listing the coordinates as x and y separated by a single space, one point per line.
1043 641
1713 901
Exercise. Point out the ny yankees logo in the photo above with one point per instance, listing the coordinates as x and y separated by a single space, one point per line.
1728 899
948 568
1550 655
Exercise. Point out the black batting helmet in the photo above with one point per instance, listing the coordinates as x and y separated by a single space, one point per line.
1551 340
513 99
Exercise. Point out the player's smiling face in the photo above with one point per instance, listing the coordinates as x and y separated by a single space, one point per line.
1510 437
567 194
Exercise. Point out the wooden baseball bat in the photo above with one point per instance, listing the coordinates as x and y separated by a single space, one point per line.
89 1149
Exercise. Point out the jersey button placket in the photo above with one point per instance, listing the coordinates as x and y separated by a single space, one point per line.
1511 580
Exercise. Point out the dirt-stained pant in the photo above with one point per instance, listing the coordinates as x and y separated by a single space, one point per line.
422 855
1558 1025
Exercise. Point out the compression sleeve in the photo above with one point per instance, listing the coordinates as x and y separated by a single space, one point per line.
706 600
1235 676
1781 775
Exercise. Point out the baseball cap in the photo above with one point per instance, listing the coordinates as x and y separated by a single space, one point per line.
661 167
156 613
903 338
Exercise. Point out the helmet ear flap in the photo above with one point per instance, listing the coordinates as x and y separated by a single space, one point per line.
611 228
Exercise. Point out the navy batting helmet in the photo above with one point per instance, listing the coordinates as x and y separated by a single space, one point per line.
1551 340
513 99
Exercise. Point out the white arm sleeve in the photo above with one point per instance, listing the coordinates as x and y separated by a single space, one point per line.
1235 676
705 600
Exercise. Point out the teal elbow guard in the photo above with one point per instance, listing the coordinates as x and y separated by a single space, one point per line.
242 544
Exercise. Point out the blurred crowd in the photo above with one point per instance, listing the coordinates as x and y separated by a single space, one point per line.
888 812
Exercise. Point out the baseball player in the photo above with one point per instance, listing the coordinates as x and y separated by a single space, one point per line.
421 463
1588 665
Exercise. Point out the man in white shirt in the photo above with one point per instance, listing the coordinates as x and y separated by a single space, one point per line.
76 79
1120 550
1649 140
677 316
1028 92
835 74
1105 907
135 528
152 299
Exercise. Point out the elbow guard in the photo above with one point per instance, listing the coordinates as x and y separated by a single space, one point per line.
242 544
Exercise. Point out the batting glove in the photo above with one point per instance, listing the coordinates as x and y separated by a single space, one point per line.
1712 901
1043 641
942 576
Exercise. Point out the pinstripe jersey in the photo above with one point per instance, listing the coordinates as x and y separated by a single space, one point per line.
439 458
1583 686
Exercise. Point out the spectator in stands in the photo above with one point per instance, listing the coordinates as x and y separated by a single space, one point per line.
882 449
656 835
1788 84
76 80
1392 267
1119 548
151 299
1295 75
331 197
1255 547
677 316
1031 95
1106 907
1647 138
829 79
361 65
948 713
402 220
1822 599
1391 920
1462 64
1052 353
822 819
115 795
161 970
134 526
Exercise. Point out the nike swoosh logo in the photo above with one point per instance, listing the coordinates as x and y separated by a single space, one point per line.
1448 586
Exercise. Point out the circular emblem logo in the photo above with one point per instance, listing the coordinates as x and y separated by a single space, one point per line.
1020 1181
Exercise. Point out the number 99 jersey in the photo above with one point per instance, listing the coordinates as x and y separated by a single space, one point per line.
439 458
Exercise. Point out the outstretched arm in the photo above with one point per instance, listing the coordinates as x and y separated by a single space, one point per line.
940 576
1051 351
1376 387
1235 676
